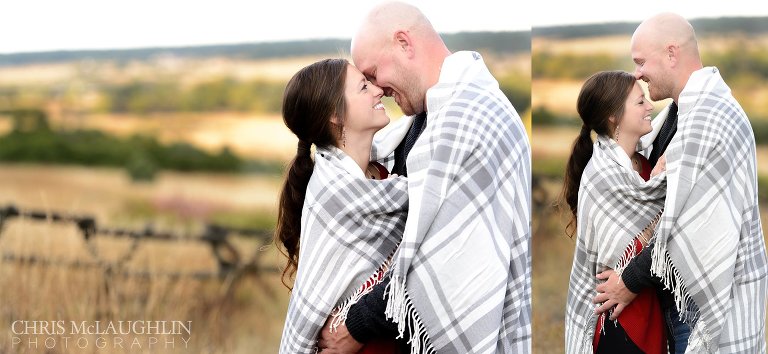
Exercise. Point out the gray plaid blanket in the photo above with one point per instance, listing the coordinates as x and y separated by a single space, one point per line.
615 206
350 226
709 241
461 277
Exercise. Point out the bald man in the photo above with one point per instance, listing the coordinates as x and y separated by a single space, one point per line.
460 280
708 259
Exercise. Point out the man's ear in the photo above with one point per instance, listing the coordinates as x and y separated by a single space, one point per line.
404 43
672 52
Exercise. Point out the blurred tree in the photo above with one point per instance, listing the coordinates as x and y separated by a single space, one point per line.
28 120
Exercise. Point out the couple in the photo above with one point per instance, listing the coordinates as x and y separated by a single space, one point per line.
433 257
679 246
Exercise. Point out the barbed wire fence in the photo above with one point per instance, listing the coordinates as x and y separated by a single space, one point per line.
232 266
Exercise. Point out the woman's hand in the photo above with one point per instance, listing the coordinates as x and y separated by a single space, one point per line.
612 293
660 167
338 341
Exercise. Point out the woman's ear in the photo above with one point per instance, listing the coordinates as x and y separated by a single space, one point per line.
612 119
335 120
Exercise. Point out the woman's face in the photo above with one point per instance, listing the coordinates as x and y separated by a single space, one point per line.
365 112
637 113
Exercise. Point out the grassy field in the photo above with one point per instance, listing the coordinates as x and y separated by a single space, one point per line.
189 71
247 320
248 135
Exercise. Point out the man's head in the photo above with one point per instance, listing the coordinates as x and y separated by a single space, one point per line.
398 50
665 53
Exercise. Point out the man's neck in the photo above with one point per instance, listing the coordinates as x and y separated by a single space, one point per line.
684 82
434 79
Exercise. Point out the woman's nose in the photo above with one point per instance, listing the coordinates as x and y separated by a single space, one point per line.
377 91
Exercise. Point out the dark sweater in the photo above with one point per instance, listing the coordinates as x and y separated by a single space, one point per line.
637 276
366 320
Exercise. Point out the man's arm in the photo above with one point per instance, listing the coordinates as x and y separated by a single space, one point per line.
365 321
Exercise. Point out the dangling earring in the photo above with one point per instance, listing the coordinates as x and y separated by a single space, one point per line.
616 134
343 137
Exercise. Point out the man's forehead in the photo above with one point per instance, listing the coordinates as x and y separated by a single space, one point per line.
637 46
365 61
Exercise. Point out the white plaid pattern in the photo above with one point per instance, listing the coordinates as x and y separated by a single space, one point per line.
465 255
710 238
614 206
350 225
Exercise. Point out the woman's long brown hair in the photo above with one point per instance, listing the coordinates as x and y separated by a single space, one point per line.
602 96
313 95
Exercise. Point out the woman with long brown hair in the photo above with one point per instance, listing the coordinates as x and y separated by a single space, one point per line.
614 204
340 217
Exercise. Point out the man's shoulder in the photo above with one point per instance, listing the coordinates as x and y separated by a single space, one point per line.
479 99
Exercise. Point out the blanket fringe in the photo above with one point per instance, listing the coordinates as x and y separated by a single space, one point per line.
401 310
628 256
662 267
339 314
588 340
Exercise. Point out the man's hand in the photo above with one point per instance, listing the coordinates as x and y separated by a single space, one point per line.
337 342
660 167
612 293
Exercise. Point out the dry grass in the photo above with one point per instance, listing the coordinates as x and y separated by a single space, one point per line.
187 70
553 141
36 74
617 45
754 100
552 258
252 136
247 320
558 96
762 160
508 64
105 192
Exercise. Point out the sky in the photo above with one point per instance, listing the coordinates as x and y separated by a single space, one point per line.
43 25
600 11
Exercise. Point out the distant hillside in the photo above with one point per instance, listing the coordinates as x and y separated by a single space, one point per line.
492 42
723 25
